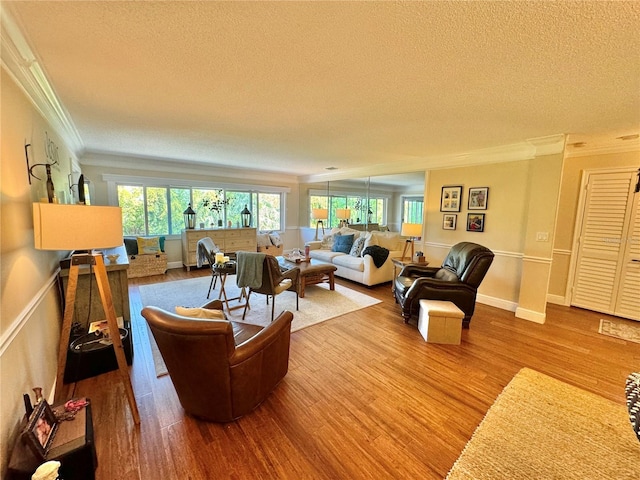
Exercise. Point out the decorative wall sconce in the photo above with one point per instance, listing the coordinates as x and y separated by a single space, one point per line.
50 187
81 187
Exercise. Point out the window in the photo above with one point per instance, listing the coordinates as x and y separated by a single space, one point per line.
412 209
158 210
356 205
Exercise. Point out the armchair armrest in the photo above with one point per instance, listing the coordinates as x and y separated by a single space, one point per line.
314 244
418 271
279 327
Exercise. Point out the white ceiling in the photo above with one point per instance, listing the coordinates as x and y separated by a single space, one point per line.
296 87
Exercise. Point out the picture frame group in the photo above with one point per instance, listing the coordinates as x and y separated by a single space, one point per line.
451 201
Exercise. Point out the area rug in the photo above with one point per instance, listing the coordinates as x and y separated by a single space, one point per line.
624 329
542 428
318 305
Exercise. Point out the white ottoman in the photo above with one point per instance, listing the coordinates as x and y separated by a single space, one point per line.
440 322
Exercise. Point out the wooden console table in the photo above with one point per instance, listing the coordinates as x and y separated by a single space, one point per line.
228 240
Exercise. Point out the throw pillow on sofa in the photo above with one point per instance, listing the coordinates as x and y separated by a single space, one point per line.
357 247
327 241
343 243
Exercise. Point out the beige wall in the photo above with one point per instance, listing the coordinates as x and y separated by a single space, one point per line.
521 202
568 211
29 306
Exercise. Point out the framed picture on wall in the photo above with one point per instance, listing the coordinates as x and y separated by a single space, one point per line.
478 198
451 199
475 222
449 221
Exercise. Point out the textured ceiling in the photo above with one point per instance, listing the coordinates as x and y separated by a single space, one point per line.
300 86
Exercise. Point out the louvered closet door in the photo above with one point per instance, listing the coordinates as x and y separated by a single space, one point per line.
608 271
628 301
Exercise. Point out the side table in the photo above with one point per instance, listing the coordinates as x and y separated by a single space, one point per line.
222 270
72 446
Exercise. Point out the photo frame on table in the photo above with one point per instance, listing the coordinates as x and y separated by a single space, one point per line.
40 429
449 221
451 198
478 198
475 222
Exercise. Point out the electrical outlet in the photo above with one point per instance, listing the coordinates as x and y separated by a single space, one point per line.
542 237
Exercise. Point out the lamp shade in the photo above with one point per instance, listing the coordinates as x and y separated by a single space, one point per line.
343 213
319 213
411 230
76 227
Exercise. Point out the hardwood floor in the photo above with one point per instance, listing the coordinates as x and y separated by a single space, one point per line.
365 396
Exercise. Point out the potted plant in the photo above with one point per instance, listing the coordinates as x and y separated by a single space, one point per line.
216 204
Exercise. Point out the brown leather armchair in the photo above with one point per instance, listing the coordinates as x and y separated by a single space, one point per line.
221 370
457 281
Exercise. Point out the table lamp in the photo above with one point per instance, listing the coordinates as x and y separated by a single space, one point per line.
82 228
411 230
343 214
319 214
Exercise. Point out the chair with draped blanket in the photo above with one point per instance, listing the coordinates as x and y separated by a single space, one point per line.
261 273
205 253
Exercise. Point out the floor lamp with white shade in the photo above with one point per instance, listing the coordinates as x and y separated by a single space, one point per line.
319 215
83 228
413 231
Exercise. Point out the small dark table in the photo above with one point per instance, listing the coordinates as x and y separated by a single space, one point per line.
72 446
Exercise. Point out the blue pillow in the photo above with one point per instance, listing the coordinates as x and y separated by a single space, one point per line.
342 243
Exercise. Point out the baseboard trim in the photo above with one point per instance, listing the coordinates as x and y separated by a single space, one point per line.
496 302
174 265
557 300
536 317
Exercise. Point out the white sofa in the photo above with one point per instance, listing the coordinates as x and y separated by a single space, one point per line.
359 268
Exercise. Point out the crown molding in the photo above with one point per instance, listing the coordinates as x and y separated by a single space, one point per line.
604 149
526 150
128 162
20 62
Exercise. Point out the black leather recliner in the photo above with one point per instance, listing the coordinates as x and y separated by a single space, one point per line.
456 281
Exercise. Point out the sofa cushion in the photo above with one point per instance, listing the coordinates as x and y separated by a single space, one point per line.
389 240
350 262
324 255
357 247
343 243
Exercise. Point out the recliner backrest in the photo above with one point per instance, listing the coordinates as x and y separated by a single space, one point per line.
468 262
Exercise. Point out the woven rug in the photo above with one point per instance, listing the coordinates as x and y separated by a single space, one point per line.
624 329
318 305
542 428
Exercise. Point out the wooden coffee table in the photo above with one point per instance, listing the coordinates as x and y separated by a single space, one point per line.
312 272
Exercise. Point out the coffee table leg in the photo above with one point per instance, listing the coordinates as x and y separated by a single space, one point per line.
332 284
302 285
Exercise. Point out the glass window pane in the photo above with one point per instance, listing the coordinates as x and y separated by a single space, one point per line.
157 211
209 206
269 211
237 202
180 198
131 201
